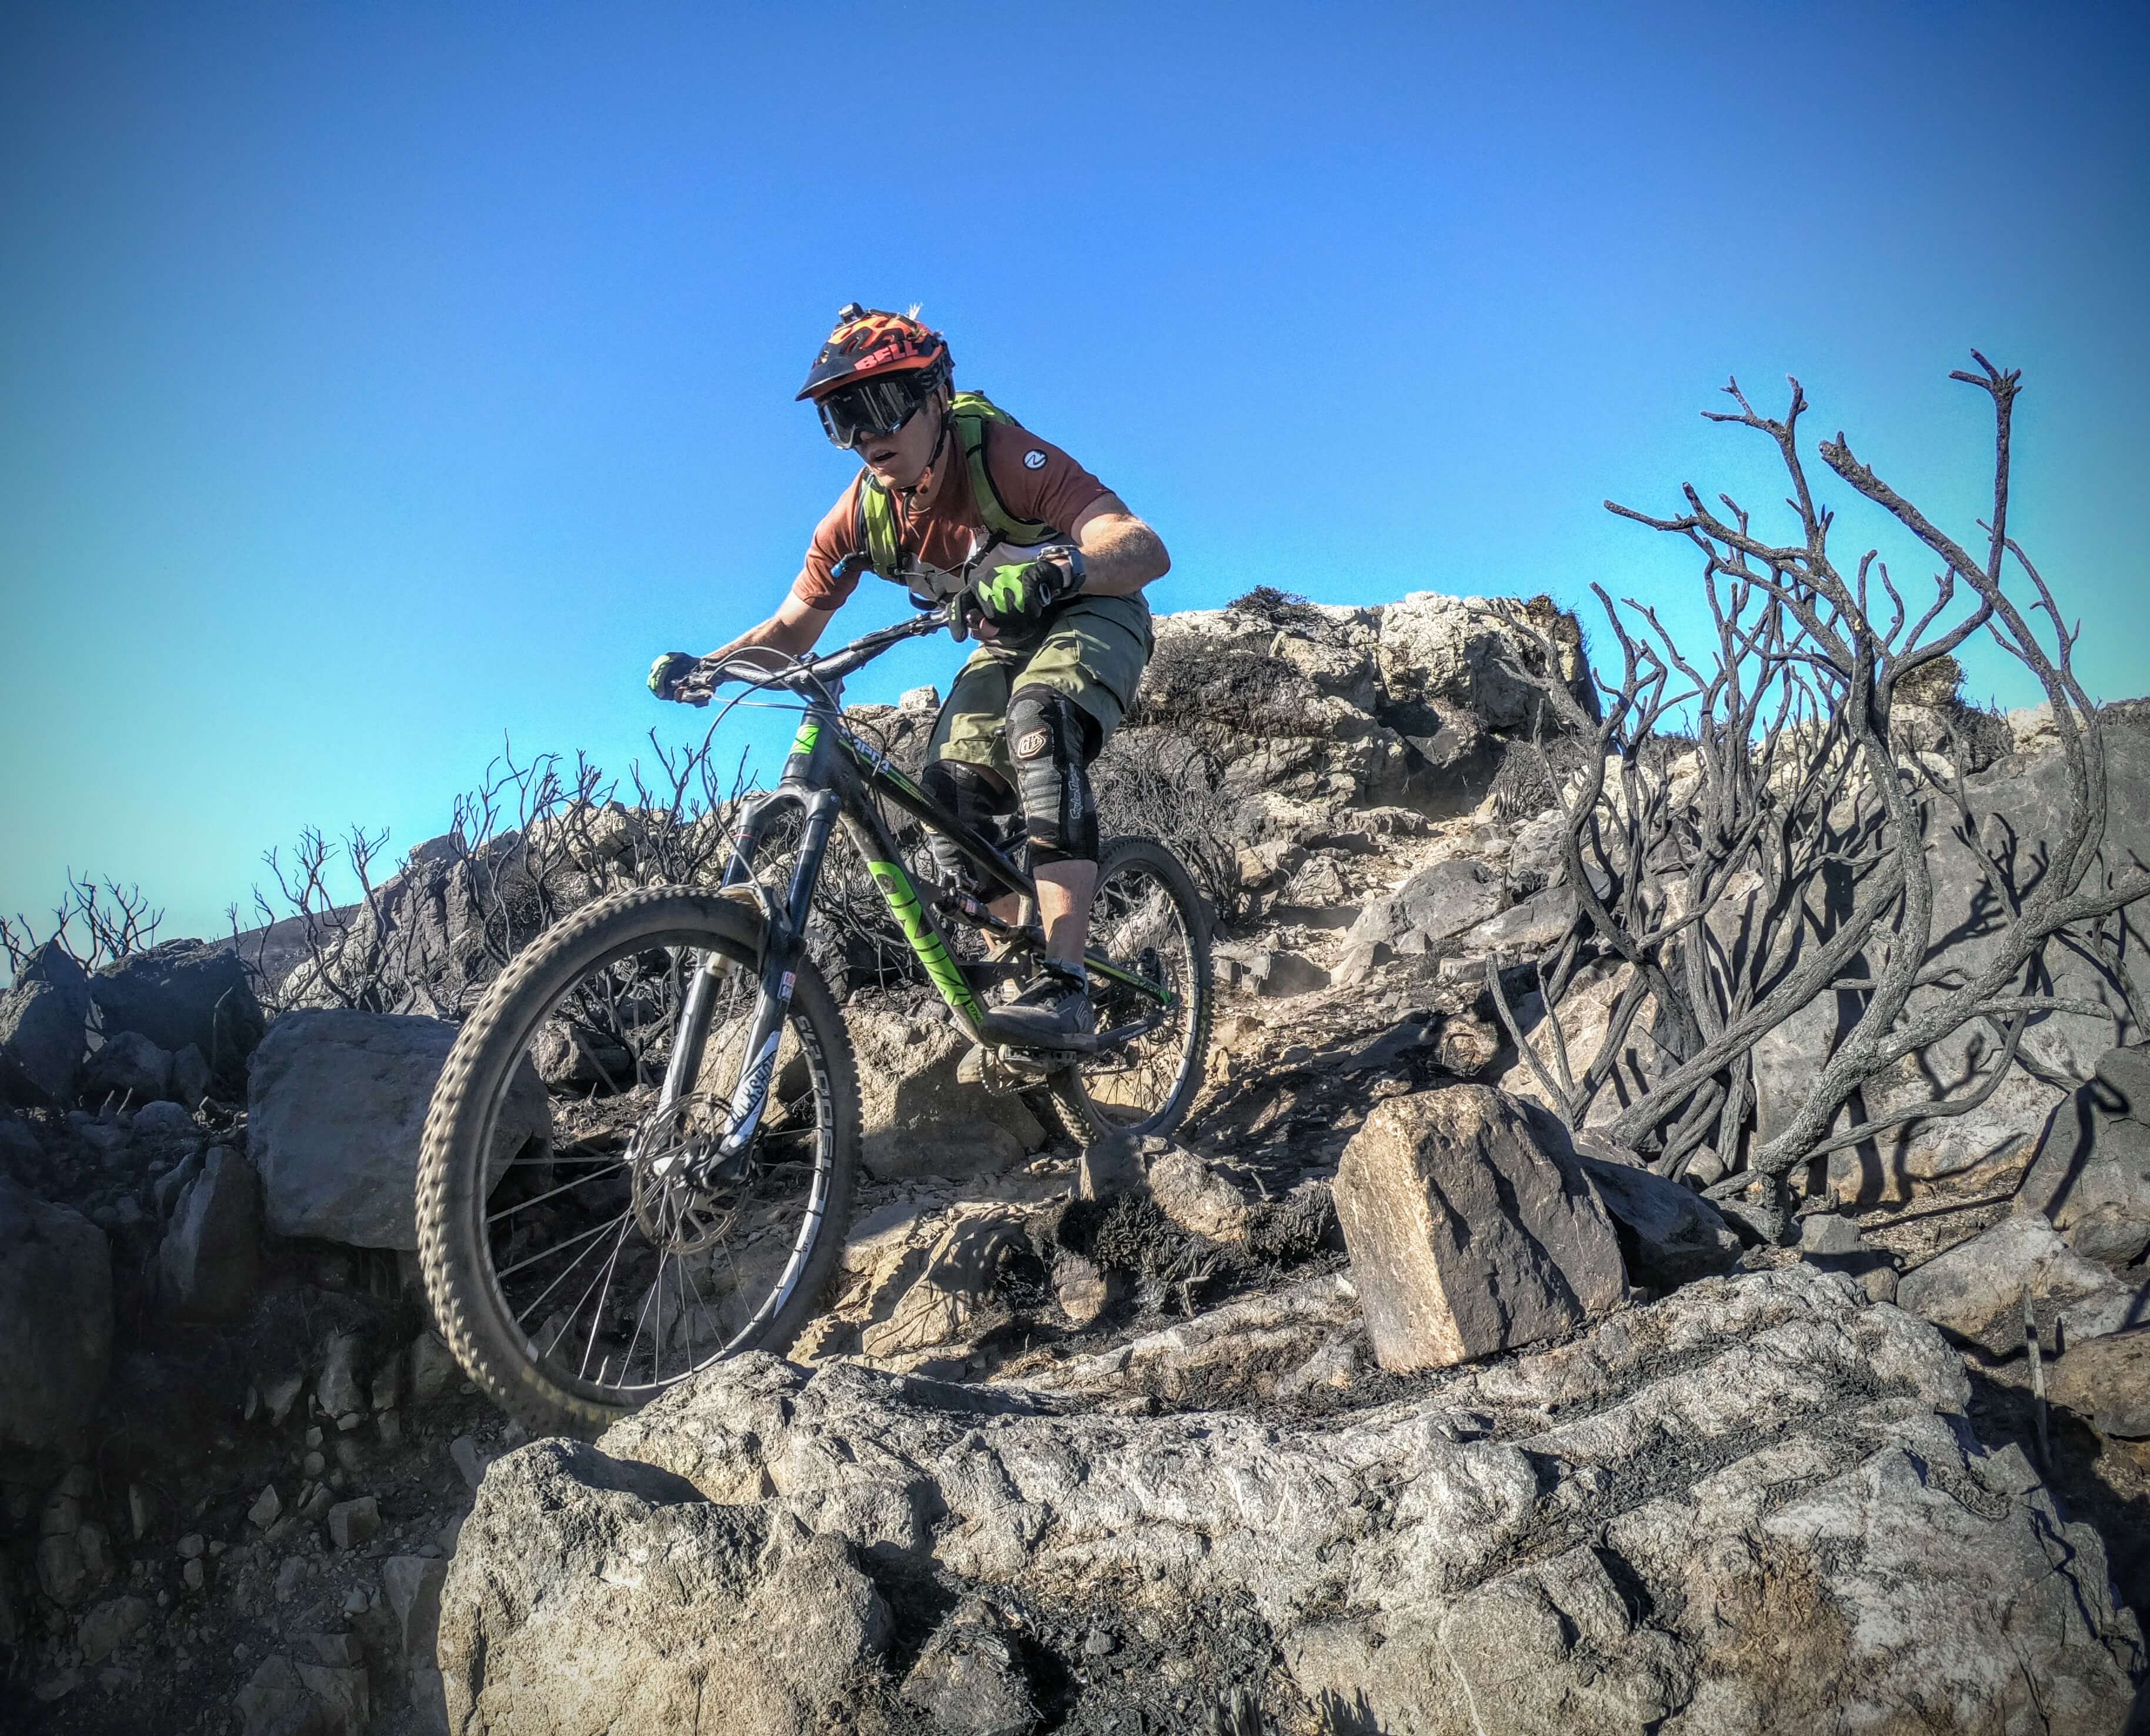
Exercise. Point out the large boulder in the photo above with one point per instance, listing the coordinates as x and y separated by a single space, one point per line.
336 1104
1468 1233
55 1321
1755 1505
183 992
44 1020
129 1065
211 1253
2092 1175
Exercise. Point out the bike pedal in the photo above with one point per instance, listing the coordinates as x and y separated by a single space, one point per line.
1033 1064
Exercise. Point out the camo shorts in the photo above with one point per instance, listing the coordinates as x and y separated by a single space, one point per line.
1093 651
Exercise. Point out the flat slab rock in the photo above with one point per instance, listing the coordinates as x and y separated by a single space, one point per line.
1752 1505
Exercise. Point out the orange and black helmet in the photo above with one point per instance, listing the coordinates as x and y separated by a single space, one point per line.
869 344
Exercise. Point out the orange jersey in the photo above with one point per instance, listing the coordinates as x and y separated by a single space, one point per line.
1035 480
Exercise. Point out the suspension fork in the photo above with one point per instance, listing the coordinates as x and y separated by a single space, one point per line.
782 942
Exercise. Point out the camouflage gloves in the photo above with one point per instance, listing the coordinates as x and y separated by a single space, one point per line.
1019 595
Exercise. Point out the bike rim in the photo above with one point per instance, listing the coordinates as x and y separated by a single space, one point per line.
1136 922
616 1285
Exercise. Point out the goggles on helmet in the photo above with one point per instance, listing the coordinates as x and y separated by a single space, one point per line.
860 412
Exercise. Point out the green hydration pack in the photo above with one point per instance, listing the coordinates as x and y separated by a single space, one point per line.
968 413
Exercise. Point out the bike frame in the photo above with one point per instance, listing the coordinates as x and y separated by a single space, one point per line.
829 774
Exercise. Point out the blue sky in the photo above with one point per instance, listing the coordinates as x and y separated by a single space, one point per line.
375 379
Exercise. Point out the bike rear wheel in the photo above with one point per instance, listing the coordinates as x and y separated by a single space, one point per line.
578 1276
1145 916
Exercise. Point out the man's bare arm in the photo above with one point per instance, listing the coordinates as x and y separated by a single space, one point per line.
1120 553
796 627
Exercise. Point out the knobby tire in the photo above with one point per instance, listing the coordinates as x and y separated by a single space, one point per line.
468 1306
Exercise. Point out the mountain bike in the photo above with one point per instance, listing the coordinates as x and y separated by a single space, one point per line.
695 1190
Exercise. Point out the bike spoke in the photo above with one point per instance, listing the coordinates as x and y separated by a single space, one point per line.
580 1181
524 1313
627 1358
575 1313
510 1271
597 1314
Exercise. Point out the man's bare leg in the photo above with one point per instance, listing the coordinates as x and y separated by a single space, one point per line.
1063 907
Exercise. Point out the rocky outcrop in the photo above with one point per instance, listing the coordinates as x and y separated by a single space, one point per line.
1467 1233
592 1593
43 1020
1752 1505
336 1105
55 1321
1329 708
182 994
1174 1467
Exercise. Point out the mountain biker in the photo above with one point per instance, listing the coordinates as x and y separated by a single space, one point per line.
960 502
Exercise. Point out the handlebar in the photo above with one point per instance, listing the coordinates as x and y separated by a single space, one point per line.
758 667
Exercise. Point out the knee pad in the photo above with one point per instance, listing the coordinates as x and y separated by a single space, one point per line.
1052 740
976 798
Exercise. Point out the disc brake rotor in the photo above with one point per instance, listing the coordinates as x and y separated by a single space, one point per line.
670 1147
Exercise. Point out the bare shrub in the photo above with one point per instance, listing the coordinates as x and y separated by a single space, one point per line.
1280 608
531 842
1169 785
303 903
95 922
1784 854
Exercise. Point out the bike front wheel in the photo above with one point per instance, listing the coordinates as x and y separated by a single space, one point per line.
579 1274
1146 917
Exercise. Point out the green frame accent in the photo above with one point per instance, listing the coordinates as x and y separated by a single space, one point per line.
911 916
1163 996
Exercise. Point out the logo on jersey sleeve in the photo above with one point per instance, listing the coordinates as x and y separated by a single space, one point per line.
1033 460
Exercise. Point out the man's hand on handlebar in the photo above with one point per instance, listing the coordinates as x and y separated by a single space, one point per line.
669 671
691 680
